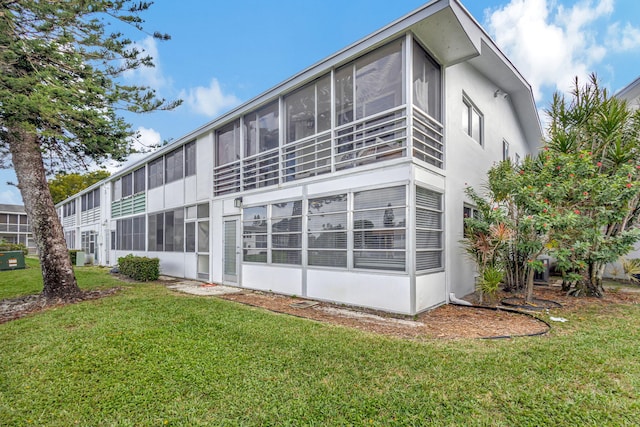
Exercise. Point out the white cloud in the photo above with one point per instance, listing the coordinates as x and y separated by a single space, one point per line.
209 101
623 39
148 76
552 44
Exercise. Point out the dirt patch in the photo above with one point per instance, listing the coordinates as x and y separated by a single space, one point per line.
444 322
448 321
15 308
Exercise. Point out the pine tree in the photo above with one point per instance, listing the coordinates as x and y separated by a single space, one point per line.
60 94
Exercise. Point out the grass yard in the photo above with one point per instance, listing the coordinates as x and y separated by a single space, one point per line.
149 357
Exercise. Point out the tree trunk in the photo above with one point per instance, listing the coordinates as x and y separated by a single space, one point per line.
529 287
57 271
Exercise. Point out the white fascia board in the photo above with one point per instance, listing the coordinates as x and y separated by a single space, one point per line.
629 92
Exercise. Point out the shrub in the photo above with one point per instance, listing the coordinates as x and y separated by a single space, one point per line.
73 254
138 268
6 246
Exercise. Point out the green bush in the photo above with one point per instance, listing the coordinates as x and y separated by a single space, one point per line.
73 254
6 246
138 268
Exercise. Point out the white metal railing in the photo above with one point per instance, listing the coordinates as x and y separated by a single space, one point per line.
428 139
90 216
226 178
373 139
260 170
307 157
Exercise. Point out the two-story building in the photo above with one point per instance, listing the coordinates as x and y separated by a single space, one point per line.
343 183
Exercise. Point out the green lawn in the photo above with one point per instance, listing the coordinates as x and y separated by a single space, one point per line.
149 357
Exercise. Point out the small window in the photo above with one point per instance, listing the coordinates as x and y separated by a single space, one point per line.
505 150
518 159
468 212
472 121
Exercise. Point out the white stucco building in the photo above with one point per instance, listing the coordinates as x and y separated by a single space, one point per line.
343 183
15 226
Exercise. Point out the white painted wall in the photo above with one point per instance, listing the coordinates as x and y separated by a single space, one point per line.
272 278
467 162
375 290
204 166
430 291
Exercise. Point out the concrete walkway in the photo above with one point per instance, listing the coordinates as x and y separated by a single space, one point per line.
203 289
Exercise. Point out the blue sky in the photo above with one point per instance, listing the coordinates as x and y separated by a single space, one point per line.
224 53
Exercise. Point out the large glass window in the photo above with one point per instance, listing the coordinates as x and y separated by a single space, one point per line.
166 231
309 110
379 229
255 234
130 234
90 200
426 83
327 231
429 250
190 158
228 144
173 165
286 233
68 208
156 173
127 185
370 84
261 130
116 190
139 181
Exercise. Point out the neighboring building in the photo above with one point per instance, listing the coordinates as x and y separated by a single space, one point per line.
630 93
15 227
344 183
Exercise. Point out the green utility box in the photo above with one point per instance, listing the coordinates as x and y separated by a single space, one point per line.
11 260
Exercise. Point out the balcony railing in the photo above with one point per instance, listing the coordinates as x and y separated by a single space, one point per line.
427 139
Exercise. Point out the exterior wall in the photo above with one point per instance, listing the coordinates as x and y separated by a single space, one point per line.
468 162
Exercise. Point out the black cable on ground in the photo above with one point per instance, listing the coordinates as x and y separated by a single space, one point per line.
510 310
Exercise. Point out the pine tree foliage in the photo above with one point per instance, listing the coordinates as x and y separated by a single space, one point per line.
61 101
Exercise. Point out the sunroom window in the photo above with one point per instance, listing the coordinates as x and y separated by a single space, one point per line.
429 229
227 171
327 231
308 140
379 228
370 85
255 234
261 140
286 233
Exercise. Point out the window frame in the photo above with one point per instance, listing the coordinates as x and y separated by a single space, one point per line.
469 111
